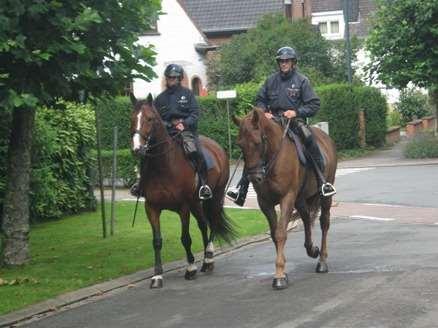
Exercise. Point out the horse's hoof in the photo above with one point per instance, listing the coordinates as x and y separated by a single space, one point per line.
190 275
207 267
315 252
280 283
322 267
156 282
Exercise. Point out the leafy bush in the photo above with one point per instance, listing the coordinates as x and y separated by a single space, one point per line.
115 112
374 104
126 164
61 161
393 118
339 108
422 146
251 56
412 104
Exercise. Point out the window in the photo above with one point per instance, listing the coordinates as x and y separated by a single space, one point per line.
334 27
323 27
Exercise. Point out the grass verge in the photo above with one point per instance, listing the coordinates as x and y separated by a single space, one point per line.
347 154
69 254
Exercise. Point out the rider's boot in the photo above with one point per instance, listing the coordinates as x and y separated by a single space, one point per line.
238 194
135 189
326 188
204 191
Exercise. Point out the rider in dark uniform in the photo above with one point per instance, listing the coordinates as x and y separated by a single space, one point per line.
179 110
288 93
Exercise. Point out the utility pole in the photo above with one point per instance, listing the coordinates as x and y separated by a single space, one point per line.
347 38
288 9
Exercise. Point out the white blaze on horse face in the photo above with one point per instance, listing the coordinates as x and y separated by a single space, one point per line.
136 137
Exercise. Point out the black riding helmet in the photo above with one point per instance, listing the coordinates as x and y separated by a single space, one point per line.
174 70
286 53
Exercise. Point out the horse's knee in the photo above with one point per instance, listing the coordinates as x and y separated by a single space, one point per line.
157 243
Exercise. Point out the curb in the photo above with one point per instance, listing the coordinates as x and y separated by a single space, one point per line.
56 304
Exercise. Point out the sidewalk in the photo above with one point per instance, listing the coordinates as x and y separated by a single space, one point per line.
392 156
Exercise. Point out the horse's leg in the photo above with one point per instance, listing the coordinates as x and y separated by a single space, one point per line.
153 215
286 206
268 210
324 221
303 210
208 263
186 240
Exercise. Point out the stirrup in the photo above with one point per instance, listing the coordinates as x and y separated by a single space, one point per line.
232 194
205 192
331 192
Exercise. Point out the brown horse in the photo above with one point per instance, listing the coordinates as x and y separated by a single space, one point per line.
168 181
278 177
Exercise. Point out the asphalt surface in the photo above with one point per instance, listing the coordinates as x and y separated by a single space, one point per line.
381 275
382 261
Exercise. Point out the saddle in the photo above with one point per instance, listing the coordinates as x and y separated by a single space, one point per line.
208 157
303 154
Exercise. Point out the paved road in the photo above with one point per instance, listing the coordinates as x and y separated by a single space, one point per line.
382 258
382 275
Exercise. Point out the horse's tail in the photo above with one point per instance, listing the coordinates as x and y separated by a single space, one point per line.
219 222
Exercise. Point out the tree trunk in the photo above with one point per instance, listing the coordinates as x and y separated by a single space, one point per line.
15 223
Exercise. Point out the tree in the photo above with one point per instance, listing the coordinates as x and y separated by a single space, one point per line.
251 56
60 49
403 44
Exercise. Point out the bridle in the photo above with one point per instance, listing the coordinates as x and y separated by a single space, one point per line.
147 150
265 165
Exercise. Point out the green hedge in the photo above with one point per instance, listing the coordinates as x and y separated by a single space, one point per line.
62 162
375 106
213 121
126 164
338 107
115 112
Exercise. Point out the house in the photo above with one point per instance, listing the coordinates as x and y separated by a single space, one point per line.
220 19
176 39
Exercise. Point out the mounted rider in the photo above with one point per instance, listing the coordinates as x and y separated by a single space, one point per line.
179 111
288 93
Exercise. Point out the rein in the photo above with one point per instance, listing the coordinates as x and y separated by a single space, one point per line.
149 148
265 166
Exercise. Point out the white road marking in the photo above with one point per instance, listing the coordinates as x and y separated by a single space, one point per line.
375 218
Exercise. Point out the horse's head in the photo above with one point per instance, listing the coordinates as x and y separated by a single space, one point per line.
143 120
253 142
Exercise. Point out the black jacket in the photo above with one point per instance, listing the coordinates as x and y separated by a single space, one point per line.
293 92
178 102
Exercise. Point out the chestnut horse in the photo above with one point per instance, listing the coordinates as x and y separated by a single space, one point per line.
168 181
278 177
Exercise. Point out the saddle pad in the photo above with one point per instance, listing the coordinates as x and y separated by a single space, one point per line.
302 152
300 148
209 160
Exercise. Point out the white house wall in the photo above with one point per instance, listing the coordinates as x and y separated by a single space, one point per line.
363 58
174 43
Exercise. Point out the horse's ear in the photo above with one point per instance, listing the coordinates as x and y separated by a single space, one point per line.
236 120
132 97
149 99
255 118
